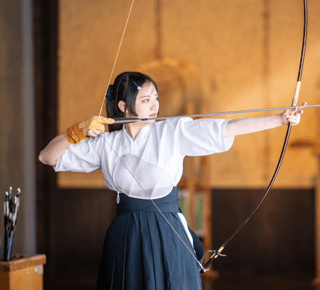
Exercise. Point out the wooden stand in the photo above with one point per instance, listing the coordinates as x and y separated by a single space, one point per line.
22 273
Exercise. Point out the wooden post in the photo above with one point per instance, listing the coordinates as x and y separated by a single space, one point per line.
191 181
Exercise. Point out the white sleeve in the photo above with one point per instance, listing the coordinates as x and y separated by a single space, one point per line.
81 157
203 137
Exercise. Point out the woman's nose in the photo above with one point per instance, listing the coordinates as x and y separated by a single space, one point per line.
154 105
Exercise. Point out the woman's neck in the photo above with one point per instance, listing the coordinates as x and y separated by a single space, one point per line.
133 129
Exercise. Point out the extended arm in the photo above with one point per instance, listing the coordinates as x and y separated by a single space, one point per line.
251 125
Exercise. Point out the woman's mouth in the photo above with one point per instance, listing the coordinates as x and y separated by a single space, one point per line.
153 115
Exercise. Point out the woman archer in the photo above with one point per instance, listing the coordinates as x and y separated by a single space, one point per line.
149 244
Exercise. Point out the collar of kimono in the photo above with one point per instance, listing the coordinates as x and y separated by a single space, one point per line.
294 103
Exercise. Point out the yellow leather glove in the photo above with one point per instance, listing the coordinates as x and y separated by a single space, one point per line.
76 133
95 123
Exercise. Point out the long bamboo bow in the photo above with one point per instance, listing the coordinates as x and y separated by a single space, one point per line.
217 253
294 103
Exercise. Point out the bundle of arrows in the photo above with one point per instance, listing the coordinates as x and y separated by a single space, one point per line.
11 208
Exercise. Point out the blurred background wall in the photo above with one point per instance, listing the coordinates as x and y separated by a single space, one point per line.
219 55
17 121
237 55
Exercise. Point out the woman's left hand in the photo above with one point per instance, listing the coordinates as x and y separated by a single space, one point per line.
293 115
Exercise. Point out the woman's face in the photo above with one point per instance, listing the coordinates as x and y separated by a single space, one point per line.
147 102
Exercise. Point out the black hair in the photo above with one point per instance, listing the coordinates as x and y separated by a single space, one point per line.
125 89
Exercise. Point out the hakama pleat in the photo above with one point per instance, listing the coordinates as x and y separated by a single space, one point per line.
141 250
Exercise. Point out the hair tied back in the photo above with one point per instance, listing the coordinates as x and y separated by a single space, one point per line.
110 95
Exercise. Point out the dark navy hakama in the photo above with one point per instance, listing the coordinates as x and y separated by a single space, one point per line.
142 252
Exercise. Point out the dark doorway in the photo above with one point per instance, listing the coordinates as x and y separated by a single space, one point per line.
279 237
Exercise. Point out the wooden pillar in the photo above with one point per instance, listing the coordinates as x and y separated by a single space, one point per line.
191 181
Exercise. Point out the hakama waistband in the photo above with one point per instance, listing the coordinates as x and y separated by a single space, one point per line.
169 203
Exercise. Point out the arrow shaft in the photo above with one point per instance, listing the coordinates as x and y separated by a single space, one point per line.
130 120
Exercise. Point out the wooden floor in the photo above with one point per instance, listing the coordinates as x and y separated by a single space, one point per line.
225 281
292 281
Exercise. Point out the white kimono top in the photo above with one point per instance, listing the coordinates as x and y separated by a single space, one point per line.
152 164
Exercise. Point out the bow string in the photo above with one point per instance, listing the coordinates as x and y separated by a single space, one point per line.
114 63
216 254
287 136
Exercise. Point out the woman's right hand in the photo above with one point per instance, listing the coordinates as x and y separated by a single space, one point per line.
75 134
95 126
87 129
93 132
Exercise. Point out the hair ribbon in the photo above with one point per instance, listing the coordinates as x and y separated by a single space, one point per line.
109 94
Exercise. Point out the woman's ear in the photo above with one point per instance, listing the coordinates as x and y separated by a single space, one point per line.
122 106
